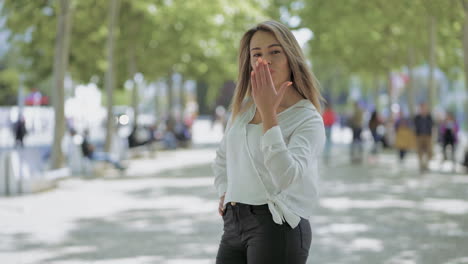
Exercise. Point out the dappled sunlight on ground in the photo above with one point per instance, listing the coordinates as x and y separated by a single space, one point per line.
387 212
379 212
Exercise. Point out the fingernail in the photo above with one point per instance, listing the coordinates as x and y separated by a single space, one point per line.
290 83
256 63
260 59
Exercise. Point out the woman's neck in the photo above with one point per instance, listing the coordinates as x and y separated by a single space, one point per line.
290 98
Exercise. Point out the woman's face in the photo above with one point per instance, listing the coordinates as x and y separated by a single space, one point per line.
264 45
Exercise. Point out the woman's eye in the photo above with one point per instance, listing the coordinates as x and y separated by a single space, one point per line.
275 52
258 54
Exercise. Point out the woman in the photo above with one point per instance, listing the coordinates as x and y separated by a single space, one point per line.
266 165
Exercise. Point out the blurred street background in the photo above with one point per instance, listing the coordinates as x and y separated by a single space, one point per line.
111 112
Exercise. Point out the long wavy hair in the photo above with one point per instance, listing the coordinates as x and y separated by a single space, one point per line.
304 80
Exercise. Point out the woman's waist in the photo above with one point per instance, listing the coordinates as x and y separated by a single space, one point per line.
256 209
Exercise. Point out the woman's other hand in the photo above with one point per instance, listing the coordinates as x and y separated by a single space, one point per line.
221 205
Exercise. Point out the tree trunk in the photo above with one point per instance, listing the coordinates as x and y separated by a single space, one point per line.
330 88
182 97
465 57
158 115
62 43
202 90
109 78
390 94
410 87
375 90
170 94
132 69
432 41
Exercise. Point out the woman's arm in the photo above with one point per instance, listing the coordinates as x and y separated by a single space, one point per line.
219 164
287 163
219 168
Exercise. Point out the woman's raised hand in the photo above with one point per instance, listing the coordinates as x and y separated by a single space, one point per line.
266 97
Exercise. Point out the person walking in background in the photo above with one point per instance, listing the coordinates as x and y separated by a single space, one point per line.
266 166
71 148
449 136
329 118
19 129
89 151
465 160
404 137
423 125
356 122
374 123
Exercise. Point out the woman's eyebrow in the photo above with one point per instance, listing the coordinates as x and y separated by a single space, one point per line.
272 45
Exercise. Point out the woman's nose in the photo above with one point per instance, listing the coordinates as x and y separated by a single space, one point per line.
267 60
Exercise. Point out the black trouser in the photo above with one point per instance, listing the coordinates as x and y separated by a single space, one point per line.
445 144
252 237
402 154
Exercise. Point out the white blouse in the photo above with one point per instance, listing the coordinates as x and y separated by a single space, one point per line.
281 170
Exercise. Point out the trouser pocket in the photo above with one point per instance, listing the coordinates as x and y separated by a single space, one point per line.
306 234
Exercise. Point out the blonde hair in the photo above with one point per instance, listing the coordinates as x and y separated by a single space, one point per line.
304 80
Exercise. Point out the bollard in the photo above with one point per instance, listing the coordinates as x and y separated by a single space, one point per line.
20 181
16 177
12 169
5 173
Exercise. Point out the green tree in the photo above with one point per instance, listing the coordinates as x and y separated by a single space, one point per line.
62 44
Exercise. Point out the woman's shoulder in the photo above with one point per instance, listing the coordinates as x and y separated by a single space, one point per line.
306 109
303 114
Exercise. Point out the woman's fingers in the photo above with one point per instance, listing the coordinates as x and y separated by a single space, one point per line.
255 68
269 79
221 205
220 211
253 81
283 88
262 73
257 73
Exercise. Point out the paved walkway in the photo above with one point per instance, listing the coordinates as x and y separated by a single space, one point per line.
164 211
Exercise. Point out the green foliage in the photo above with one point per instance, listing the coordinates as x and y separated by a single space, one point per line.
196 39
374 37
9 82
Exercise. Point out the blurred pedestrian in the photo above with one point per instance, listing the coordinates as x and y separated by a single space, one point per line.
374 123
139 136
329 119
19 128
267 163
183 134
356 122
449 136
169 138
71 148
465 160
404 138
423 125
89 151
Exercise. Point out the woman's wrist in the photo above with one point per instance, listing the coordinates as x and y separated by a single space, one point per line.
269 121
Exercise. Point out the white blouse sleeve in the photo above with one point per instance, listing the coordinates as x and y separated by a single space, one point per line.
287 163
219 165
